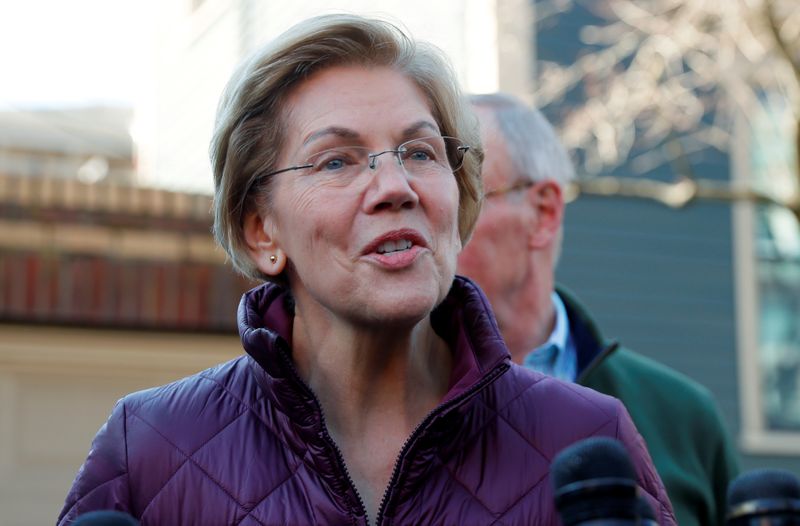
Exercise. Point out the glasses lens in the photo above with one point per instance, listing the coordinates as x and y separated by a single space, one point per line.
431 155
341 164
426 156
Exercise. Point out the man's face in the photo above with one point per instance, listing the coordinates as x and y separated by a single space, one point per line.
498 256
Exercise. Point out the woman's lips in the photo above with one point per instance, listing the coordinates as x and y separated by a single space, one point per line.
396 249
398 259
395 236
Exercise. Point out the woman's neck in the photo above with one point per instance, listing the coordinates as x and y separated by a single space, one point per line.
359 372
375 387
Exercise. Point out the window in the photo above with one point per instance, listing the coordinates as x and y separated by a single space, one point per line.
768 285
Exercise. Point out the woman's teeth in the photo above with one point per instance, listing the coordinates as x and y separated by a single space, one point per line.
394 246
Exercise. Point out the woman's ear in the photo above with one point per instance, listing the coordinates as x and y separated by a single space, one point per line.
546 200
262 245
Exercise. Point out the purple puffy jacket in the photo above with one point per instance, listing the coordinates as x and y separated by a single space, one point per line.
245 443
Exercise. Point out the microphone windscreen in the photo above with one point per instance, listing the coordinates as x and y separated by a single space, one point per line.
763 484
593 458
105 518
595 483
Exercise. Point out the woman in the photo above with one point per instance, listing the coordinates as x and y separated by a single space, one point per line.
376 388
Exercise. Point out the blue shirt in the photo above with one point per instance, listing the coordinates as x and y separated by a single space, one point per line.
557 356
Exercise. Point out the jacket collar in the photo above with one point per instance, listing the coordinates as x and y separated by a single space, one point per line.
591 347
464 320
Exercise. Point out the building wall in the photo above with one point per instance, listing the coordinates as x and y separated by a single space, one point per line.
57 387
104 290
109 255
660 281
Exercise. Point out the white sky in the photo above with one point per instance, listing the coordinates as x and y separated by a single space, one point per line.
55 52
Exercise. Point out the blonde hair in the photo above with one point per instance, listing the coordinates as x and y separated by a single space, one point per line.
251 124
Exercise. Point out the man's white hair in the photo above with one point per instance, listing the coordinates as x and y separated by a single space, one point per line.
535 150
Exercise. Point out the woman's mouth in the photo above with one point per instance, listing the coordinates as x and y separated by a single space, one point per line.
394 246
396 249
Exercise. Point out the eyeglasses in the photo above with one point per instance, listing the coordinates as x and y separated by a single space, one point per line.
422 157
503 190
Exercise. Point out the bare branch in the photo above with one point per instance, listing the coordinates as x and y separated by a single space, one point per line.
783 47
679 73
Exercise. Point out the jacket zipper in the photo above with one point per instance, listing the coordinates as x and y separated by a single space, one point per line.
601 357
489 378
361 509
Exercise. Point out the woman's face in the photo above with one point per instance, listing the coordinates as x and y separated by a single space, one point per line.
379 248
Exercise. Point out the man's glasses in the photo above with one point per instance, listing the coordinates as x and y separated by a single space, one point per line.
422 157
503 190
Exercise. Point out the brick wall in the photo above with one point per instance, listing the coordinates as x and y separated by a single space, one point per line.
108 255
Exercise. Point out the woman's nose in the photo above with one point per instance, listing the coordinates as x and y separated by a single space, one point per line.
389 187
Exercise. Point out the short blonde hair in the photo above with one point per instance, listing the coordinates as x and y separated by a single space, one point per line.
251 124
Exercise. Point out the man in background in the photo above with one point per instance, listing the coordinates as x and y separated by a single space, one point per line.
513 255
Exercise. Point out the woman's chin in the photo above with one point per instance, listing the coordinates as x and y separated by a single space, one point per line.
400 308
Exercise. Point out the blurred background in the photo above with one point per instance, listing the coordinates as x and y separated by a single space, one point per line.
682 235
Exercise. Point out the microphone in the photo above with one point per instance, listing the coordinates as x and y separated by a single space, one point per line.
105 518
595 485
764 497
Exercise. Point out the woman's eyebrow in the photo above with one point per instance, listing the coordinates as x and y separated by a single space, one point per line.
351 134
331 130
417 126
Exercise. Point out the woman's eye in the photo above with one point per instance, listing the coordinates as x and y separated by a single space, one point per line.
420 153
333 162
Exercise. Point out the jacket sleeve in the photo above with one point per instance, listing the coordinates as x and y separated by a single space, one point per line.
102 481
649 481
724 464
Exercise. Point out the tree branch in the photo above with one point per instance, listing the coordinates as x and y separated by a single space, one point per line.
795 65
774 27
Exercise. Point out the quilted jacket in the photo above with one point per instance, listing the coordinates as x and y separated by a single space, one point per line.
245 443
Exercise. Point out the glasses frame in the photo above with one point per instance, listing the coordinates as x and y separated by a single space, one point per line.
372 157
503 190
371 164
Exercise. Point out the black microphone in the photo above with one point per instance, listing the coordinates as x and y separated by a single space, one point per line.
105 518
764 497
595 485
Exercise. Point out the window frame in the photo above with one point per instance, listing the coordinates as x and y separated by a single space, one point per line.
754 434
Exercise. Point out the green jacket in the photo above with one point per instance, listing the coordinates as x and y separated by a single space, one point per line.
677 417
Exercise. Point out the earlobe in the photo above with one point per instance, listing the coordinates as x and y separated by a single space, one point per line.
276 263
262 245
